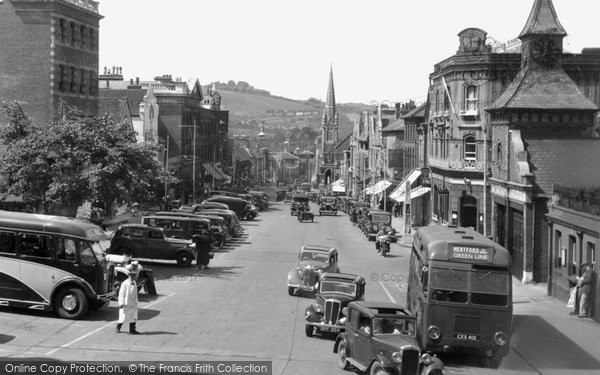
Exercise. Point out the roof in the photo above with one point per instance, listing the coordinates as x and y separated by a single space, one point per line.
342 277
344 143
325 249
543 20
552 162
371 307
417 112
535 88
286 156
134 97
172 124
394 126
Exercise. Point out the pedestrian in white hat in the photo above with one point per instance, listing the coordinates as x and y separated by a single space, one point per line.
128 300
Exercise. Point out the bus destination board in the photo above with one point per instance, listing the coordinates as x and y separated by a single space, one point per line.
472 253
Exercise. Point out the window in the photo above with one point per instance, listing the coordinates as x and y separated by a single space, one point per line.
35 245
558 256
470 147
155 234
572 259
87 254
591 254
66 250
470 98
7 242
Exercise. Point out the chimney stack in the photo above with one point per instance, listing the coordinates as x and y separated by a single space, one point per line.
105 69
137 80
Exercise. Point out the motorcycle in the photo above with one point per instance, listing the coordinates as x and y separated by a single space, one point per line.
383 244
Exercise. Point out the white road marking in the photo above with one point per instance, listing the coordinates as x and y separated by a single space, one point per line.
387 292
100 328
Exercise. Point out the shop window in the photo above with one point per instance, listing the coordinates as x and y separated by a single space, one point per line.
559 257
470 147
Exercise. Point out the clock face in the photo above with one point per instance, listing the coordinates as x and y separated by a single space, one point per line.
545 52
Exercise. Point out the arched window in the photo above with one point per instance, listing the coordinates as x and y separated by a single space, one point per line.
470 147
447 99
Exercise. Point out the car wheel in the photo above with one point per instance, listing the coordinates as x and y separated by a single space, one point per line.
71 303
378 369
184 258
290 290
493 361
342 360
309 330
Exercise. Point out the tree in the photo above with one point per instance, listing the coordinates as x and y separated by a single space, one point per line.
76 159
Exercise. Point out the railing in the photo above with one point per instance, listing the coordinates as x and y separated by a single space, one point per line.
90 5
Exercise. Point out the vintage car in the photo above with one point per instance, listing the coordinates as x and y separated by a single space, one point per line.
313 261
288 197
380 337
336 291
145 278
142 241
328 206
297 200
379 220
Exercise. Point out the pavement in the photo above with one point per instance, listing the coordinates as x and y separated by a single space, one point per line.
533 300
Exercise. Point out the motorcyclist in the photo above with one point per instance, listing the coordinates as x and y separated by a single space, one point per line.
379 234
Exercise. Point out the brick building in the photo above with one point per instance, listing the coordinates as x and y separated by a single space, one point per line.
49 52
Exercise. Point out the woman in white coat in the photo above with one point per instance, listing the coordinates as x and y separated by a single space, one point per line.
128 300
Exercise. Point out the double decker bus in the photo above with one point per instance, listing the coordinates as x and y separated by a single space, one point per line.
460 289
53 263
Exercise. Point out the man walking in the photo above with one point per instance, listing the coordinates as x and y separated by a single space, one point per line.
128 300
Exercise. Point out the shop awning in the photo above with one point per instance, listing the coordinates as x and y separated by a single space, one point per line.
210 168
414 193
378 187
223 174
411 178
338 186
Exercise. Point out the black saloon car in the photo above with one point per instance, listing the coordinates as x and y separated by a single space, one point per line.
336 291
380 338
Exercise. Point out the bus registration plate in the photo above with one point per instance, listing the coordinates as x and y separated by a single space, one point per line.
466 336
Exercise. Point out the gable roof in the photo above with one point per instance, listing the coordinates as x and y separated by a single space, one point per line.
394 126
417 112
552 162
344 144
134 97
535 88
543 20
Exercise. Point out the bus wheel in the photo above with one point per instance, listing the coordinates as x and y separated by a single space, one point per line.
184 258
493 361
71 303
378 369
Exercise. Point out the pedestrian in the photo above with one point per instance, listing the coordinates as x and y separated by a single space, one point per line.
353 216
203 247
128 300
395 209
584 290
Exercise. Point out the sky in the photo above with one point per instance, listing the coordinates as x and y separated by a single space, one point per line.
380 50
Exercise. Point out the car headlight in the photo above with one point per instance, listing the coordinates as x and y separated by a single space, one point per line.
500 338
434 333
426 358
376 228
397 357
319 308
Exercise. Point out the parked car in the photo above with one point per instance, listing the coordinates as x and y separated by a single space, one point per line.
238 205
209 205
217 225
313 261
336 291
142 241
328 206
231 219
380 337
145 278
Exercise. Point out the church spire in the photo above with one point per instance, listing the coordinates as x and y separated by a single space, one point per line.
543 21
330 103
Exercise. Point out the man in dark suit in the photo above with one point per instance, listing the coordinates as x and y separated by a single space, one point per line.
585 290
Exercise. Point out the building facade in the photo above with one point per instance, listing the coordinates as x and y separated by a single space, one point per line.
49 53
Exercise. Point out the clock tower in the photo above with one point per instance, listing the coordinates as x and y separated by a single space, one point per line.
542 37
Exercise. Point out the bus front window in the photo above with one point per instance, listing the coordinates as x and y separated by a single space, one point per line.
449 285
87 255
490 288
